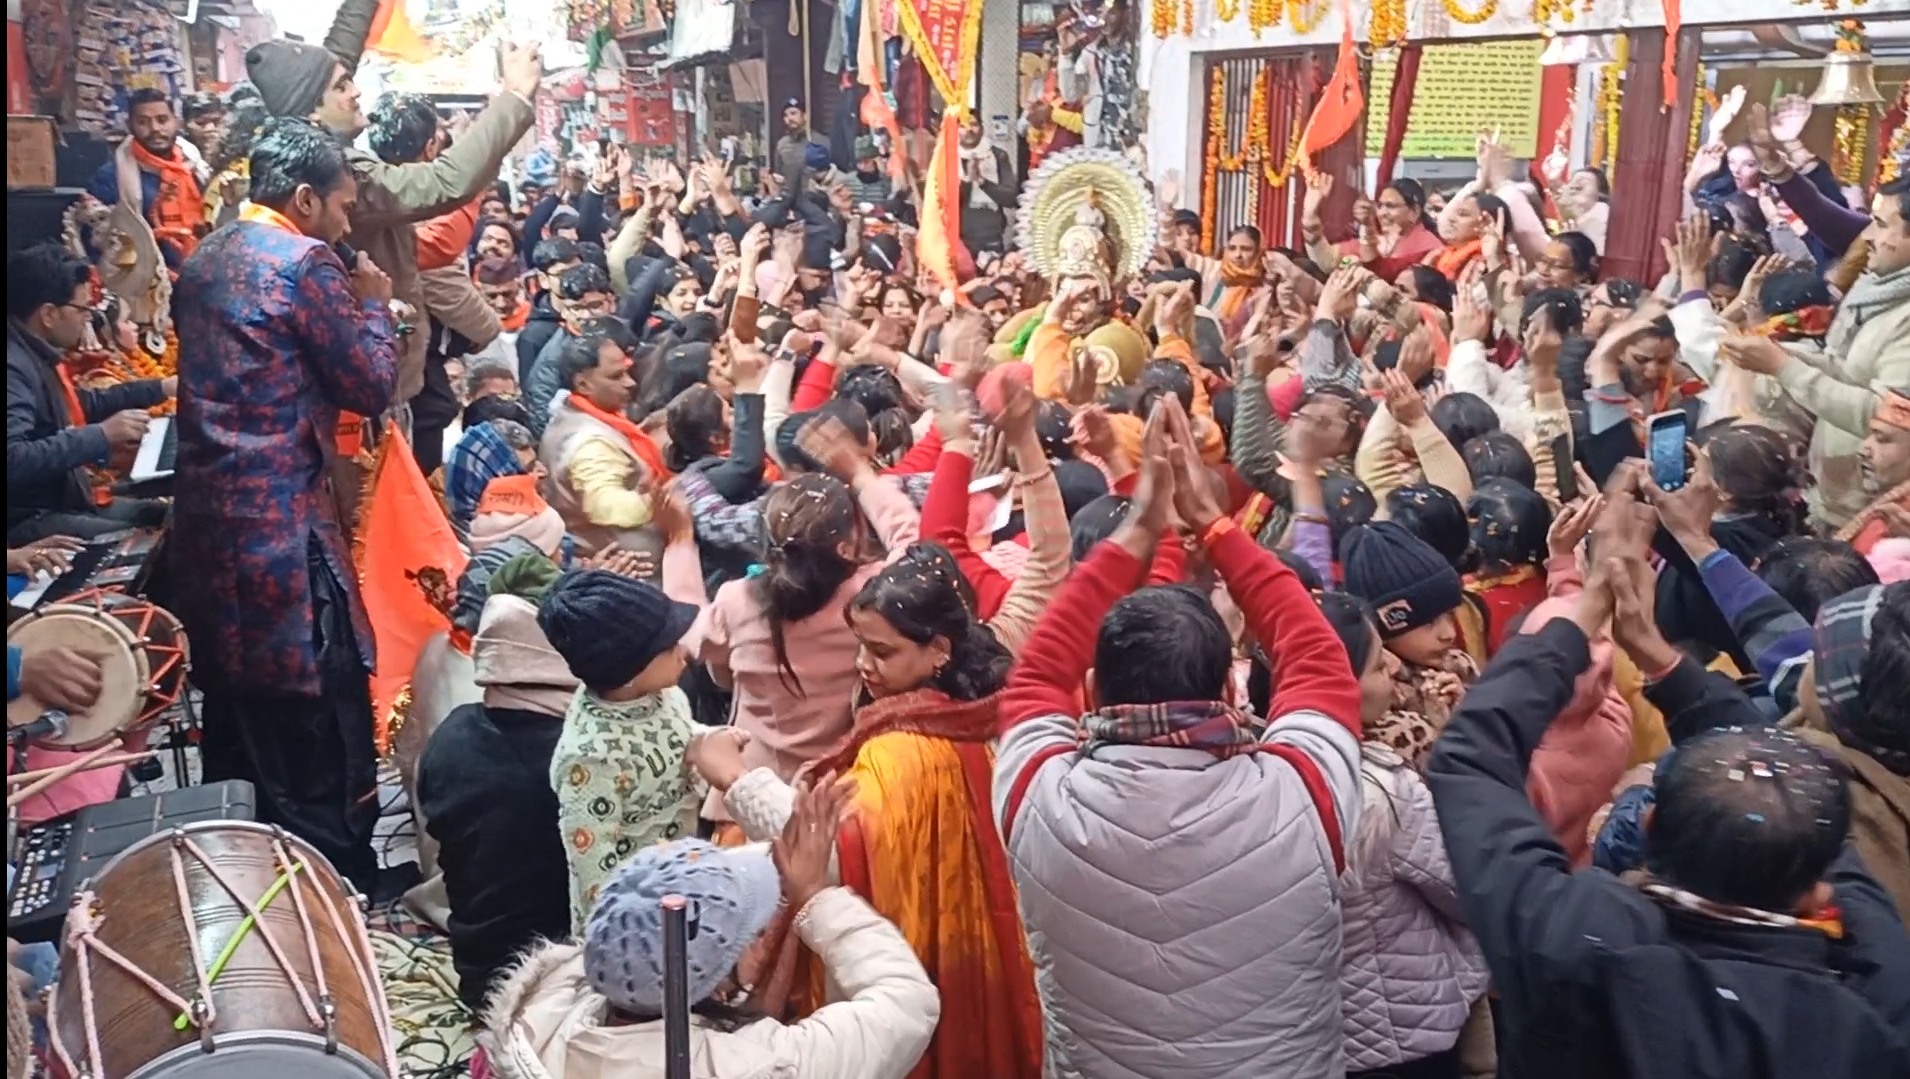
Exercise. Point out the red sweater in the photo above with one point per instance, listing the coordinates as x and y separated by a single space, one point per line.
945 521
1311 668
819 384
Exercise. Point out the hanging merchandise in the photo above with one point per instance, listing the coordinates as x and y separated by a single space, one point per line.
48 37
119 50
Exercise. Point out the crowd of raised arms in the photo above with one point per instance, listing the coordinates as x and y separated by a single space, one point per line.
1415 653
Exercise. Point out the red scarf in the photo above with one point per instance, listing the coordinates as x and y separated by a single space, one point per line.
1453 260
179 212
640 443
348 436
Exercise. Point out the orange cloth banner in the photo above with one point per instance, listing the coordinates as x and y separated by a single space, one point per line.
409 563
945 34
393 35
1342 100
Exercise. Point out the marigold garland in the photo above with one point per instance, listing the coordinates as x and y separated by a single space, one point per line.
1187 18
1162 12
1850 136
1257 147
1226 11
1388 25
1305 22
1263 15
1470 18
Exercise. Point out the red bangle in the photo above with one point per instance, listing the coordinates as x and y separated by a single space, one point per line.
1220 527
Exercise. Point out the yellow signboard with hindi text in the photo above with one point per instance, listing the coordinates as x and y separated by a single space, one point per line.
1463 90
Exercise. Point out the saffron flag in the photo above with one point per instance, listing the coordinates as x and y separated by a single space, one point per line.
945 34
1342 101
409 563
393 35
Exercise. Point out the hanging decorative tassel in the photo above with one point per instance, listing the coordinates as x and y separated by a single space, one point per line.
1668 71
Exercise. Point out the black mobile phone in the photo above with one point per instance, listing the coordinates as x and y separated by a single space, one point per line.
346 254
1565 476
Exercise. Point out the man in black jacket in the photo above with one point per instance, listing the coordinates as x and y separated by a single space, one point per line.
1728 958
549 259
485 794
55 459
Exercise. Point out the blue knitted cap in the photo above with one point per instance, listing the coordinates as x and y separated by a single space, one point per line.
733 894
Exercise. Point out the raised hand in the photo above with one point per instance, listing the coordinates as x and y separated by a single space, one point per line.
1573 523
1319 186
1727 111
803 851
1402 398
1792 113
1194 501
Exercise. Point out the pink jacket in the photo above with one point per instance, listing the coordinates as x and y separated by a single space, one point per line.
1585 750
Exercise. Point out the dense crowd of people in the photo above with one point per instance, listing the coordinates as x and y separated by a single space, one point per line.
1263 661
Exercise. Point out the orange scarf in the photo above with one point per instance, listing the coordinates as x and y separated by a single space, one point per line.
1236 285
514 322
99 479
348 436
1452 261
179 212
640 443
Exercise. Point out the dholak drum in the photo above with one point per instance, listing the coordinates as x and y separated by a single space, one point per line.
143 664
220 950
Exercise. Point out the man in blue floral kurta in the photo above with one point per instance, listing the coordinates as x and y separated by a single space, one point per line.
276 337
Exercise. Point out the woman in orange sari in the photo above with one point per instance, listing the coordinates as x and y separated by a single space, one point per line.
920 844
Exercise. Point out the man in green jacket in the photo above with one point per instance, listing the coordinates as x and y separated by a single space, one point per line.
316 81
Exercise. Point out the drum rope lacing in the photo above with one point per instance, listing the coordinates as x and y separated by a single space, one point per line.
85 921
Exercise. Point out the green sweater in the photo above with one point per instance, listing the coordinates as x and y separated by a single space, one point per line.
622 784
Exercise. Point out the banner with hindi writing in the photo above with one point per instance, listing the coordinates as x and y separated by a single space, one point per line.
1464 90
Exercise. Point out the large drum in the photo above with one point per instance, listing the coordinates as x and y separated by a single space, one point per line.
143 663
220 950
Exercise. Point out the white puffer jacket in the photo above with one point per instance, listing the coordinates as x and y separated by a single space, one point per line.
1410 969
545 1022
1182 910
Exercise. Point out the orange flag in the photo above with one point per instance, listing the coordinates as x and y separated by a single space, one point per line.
393 35
1342 101
409 562
939 243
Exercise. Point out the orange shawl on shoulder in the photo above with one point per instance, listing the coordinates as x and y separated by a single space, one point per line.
920 844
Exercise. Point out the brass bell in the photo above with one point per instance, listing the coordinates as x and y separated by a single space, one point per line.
1849 79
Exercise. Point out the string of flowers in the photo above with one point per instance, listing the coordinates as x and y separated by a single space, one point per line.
1187 18
1226 11
1263 15
1388 25
1162 14
1851 131
1257 148
1828 5
1704 100
1304 21
1470 18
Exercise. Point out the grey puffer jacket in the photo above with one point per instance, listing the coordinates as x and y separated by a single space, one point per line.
1409 968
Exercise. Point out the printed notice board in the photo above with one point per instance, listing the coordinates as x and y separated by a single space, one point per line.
1462 91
